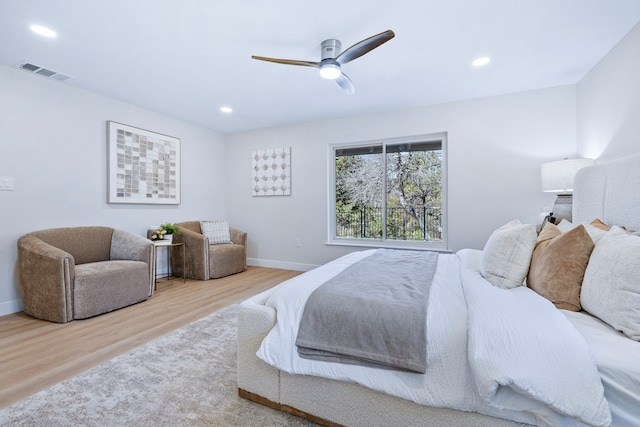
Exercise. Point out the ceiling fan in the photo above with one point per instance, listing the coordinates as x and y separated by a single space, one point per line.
332 58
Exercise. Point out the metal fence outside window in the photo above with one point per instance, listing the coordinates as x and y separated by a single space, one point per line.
366 223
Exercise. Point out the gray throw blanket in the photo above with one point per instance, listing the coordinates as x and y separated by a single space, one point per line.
374 313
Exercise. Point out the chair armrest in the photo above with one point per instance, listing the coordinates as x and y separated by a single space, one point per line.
132 247
196 246
47 274
238 237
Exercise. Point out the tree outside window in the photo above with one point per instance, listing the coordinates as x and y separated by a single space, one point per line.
389 191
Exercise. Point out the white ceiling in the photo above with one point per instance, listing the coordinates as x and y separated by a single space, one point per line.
187 58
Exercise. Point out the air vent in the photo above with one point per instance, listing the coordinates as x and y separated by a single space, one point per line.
36 69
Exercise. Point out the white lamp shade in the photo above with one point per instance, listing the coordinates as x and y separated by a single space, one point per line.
557 177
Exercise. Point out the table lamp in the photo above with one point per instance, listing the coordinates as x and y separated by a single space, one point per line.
557 177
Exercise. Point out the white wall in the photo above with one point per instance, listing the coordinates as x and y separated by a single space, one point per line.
495 148
53 143
609 103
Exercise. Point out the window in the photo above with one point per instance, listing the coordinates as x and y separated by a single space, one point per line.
389 193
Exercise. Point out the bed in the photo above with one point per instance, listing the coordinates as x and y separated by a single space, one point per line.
584 373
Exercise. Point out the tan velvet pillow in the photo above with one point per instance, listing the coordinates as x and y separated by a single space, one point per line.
601 225
558 264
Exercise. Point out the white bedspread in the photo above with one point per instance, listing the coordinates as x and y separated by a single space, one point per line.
461 374
524 351
618 359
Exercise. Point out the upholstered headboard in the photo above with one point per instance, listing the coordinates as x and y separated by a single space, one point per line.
610 192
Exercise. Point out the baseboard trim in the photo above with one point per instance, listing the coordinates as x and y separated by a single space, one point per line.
280 264
10 307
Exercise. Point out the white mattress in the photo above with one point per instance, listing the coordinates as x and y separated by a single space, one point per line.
618 360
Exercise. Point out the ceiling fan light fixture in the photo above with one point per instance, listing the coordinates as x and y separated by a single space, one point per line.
43 31
330 70
480 62
332 58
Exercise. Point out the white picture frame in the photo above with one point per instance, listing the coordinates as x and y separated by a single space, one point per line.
143 166
271 172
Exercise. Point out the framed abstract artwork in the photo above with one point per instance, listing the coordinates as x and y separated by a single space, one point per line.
144 166
271 172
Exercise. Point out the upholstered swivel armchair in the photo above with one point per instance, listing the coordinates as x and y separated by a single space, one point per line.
203 260
80 272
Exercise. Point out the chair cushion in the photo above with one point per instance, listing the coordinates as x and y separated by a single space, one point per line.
226 259
105 286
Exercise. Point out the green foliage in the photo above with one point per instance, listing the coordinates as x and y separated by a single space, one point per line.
169 228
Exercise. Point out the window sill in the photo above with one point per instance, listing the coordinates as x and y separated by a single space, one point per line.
414 246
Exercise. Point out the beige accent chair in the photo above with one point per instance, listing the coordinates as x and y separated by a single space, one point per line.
80 272
204 261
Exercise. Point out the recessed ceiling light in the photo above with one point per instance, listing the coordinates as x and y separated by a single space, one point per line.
43 31
226 109
479 62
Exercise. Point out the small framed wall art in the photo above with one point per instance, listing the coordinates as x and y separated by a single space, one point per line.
144 166
271 172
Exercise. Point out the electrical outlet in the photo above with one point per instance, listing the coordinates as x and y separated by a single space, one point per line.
6 183
298 243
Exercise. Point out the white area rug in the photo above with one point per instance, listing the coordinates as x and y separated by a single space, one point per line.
185 378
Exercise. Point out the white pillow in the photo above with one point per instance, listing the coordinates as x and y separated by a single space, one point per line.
566 225
611 284
594 232
216 231
507 254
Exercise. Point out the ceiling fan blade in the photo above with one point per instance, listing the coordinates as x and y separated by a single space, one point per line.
287 61
364 46
345 83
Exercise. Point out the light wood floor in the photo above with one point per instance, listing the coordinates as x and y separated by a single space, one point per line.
35 354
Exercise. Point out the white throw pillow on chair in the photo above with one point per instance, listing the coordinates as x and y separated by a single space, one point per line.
216 231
